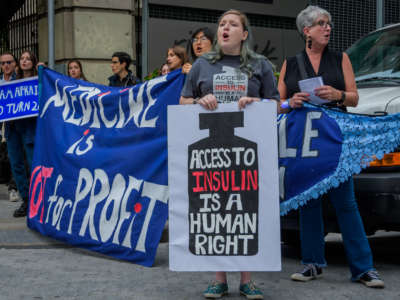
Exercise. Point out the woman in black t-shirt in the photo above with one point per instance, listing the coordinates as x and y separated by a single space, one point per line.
314 23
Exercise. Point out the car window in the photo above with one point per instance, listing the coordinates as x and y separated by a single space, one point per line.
377 56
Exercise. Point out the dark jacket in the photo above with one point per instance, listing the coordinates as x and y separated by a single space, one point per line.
13 77
129 80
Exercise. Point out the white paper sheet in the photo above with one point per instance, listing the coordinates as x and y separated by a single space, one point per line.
309 85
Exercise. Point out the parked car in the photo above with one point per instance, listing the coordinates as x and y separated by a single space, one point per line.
376 63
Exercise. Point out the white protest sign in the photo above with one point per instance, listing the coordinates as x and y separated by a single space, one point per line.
224 188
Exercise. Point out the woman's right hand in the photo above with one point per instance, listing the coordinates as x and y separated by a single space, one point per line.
297 100
208 102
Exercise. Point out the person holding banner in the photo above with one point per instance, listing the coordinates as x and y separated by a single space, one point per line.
20 135
123 76
75 70
231 72
8 65
177 58
339 90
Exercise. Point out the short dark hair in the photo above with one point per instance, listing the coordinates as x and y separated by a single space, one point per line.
208 33
123 57
9 53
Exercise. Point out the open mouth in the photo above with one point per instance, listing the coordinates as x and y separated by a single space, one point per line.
225 35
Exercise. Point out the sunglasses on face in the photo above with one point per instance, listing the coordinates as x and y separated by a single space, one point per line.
8 62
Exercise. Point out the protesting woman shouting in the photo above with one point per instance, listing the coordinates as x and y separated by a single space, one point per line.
340 90
230 56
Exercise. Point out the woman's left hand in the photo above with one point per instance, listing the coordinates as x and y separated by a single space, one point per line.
328 93
186 68
247 100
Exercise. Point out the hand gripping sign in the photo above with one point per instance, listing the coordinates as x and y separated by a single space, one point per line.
223 180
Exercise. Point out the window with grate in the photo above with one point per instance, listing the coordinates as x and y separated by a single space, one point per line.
211 16
392 11
22 30
352 19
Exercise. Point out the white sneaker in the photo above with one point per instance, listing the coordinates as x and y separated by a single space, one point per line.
14 196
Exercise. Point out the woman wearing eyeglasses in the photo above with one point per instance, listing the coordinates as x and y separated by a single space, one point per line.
200 42
314 24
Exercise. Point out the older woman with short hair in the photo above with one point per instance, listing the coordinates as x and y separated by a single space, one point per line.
340 90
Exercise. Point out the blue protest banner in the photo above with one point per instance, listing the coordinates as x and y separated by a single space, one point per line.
321 148
99 173
19 99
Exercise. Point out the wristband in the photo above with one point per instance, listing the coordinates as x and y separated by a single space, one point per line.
285 104
342 98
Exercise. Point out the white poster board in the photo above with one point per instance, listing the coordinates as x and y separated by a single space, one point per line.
224 188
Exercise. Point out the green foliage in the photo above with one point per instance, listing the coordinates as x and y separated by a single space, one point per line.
277 76
153 74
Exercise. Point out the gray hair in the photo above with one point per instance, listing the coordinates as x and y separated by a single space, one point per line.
309 15
246 54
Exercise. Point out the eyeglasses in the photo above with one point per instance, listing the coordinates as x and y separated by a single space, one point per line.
8 62
201 39
323 24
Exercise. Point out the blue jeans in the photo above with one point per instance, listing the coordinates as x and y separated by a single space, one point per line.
355 240
20 135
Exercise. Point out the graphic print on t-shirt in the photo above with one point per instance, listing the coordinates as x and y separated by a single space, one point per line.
230 85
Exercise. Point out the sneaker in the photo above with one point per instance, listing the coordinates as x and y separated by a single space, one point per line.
250 290
309 272
372 279
216 290
21 211
14 196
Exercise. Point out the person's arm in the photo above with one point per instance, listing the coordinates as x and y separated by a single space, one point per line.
186 68
296 101
208 101
348 97
187 100
351 94
268 90
190 91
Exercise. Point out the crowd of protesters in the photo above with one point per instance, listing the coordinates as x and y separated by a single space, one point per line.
207 54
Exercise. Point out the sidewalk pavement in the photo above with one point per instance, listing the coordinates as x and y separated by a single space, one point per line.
14 233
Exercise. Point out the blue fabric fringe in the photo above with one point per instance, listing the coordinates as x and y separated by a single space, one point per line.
363 137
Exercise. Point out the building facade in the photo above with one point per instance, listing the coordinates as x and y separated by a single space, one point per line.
91 30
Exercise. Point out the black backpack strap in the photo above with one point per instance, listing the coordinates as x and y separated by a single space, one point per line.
302 67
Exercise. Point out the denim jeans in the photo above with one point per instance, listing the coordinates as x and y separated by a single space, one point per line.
355 240
20 136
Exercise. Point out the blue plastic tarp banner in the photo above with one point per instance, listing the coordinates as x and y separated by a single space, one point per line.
19 99
99 173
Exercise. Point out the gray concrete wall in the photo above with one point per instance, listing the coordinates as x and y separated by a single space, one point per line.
90 31
287 8
163 33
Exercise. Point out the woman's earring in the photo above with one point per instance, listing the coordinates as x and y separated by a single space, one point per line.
309 43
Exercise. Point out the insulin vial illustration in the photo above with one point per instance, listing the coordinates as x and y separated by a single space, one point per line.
223 189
